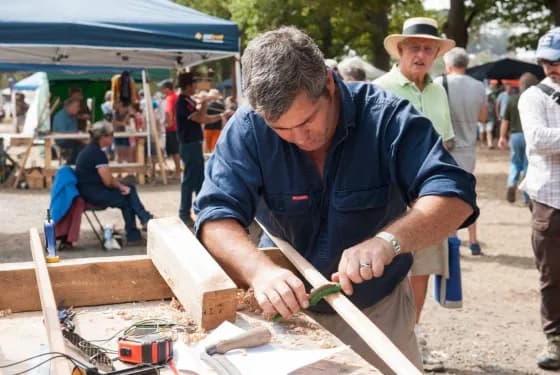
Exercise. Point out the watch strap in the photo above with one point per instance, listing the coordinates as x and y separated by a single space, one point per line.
392 241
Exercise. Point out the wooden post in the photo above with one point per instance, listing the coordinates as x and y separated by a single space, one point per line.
21 172
197 280
360 323
150 116
50 313
140 144
48 161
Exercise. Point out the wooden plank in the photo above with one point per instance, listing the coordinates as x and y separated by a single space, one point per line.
151 117
360 323
48 304
84 282
21 172
197 280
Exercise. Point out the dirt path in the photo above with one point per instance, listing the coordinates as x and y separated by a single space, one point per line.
496 332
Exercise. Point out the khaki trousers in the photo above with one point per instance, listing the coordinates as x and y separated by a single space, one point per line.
395 315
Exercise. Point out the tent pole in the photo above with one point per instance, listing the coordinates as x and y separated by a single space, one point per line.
238 93
152 128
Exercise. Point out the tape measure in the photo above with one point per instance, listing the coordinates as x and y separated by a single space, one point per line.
151 349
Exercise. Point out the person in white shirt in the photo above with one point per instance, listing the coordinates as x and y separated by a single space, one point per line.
539 110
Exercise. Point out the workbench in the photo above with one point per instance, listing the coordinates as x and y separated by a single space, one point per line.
101 322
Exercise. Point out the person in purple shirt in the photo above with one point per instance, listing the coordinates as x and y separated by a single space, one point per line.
330 167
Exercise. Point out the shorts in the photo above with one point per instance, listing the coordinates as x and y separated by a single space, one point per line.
432 261
465 157
487 127
122 142
171 143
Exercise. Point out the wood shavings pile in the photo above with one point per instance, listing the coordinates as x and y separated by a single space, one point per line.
246 301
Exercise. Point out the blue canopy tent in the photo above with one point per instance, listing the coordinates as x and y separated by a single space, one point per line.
108 33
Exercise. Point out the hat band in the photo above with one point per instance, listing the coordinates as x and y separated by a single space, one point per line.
421 29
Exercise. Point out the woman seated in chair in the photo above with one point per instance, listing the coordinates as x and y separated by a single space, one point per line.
98 187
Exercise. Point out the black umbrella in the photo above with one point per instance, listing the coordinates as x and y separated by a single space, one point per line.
504 69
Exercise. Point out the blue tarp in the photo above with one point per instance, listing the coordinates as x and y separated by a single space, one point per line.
114 33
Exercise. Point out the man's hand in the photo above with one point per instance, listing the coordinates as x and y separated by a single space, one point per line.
363 262
278 290
502 143
124 189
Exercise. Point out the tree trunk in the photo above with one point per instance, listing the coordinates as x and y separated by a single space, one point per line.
380 21
456 26
554 6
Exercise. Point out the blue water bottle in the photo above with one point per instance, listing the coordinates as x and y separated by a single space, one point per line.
449 292
50 239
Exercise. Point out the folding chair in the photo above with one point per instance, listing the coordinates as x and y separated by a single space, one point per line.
99 231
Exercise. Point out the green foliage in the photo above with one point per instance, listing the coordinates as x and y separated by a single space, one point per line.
535 16
336 25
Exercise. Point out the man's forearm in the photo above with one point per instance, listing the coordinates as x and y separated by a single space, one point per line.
229 244
430 220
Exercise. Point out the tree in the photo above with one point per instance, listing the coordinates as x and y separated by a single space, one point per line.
335 25
535 17
461 17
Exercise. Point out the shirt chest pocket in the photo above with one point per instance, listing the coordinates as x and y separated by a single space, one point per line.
290 204
360 200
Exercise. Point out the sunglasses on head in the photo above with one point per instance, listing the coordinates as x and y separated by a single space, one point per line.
548 62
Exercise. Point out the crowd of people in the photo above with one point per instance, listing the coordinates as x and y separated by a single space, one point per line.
183 113
370 182
294 159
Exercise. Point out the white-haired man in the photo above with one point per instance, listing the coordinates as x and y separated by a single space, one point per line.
416 49
467 104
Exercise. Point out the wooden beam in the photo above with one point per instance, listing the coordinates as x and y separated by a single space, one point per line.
48 304
360 323
84 282
199 283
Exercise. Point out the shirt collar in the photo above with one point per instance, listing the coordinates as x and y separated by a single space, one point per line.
403 80
347 105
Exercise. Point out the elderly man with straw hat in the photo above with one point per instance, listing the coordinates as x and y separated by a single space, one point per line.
416 49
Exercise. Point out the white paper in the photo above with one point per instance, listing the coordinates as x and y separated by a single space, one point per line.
265 359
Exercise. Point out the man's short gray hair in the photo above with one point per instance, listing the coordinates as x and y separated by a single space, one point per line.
100 129
352 69
277 66
527 80
456 57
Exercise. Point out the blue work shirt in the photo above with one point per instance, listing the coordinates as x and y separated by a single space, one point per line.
63 122
383 157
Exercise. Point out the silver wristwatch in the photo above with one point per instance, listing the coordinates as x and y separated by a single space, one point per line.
392 240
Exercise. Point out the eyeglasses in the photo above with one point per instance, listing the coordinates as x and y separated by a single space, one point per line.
548 62
416 48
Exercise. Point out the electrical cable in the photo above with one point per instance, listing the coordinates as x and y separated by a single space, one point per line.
56 355
59 354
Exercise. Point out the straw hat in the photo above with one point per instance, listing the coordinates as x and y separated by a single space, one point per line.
417 27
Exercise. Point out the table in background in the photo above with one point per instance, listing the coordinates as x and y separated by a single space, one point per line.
138 168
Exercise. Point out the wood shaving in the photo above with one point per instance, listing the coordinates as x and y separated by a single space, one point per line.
5 312
246 301
193 338
176 305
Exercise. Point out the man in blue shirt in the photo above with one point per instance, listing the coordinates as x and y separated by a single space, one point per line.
66 121
330 167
